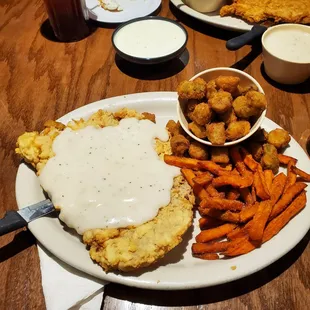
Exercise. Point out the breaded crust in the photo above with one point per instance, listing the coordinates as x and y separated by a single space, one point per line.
141 246
132 247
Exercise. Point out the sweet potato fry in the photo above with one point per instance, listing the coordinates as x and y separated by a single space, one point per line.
236 233
212 167
241 246
286 198
203 179
277 187
291 176
280 221
214 233
232 180
246 196
240 232
263 180
268 179
208 256
227 167
181 162
233 194
284 159
201 248
212 192
199 191
221 204
253 192
209 222
227 216
237 160
259 221
231 217
304 175
260 189
250 162
248 212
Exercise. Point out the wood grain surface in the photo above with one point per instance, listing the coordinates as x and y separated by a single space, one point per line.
43 79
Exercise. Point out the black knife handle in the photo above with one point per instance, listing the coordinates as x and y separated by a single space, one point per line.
238 42
11 221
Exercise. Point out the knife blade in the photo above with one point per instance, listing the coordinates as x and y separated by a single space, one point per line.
17 219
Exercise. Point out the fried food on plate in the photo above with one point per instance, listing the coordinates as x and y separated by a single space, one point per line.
202 114
245 195
228 117
253 11
174 128
224 101
132 248
211 89
179 145
125 248
197 150
197 130
270 159
237 130
220 155
192 89
227 83
279 137
252 104
221 102
216 133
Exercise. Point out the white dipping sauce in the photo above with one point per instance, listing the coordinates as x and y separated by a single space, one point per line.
149 38
108 177
289 44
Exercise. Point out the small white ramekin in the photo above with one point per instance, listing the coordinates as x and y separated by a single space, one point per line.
205 6
281 70
209 74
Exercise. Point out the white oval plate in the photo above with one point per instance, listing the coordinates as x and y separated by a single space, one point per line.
178 269
214 18
131 9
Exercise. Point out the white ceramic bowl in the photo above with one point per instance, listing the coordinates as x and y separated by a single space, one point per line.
284 67
205 6
209 74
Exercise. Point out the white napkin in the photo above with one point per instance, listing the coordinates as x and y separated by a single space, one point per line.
65 287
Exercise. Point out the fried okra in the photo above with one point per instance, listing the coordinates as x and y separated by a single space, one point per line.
220 155
202 114
216 133
270 158
174 128
211 89
237 130
197 130
280 138
242 90
227 83
192 89
198 151
179 145
191 105
228 117
221 102
252 104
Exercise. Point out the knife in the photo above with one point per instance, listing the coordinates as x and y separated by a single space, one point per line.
17 219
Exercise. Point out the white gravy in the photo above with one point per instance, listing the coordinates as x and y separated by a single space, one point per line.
289 44
149 38
108 177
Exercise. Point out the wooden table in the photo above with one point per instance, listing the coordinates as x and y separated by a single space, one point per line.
42 79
